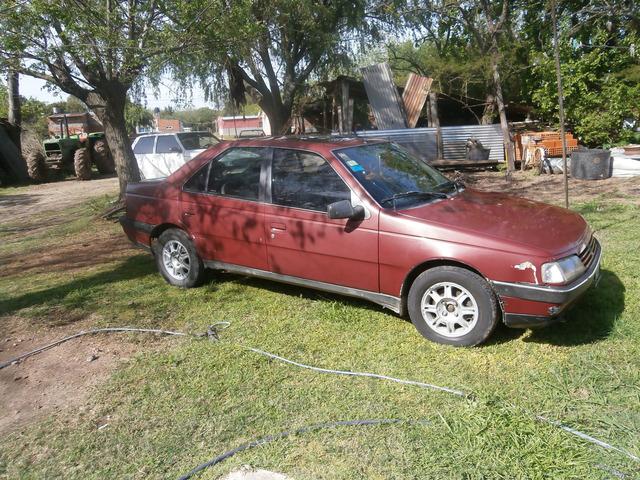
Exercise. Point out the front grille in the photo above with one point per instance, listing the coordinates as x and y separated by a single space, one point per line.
588 254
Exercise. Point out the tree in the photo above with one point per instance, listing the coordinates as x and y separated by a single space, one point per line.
137 115
274 46
601 79
95 50
483 23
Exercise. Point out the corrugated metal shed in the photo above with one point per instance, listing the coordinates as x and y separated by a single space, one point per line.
422 142
384 98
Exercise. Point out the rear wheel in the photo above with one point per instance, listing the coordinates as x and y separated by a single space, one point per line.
177 259
452 305
36 167
102 157
82 163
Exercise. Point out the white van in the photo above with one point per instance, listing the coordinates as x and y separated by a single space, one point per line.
161 154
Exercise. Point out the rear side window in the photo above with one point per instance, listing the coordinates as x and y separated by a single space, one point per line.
237 173
198 182
144 146
167 144
305 180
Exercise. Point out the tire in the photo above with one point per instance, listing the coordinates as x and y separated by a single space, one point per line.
36 168
102 157
177 259
82 163
466 312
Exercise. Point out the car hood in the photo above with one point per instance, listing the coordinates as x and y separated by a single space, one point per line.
553 231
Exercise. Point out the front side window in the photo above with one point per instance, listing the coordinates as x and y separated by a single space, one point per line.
167 144
394 177
237 173
144 146
198 182
305 180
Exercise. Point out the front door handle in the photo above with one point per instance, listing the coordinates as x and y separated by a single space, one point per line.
278 226
188 214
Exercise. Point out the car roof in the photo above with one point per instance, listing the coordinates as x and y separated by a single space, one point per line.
157 134
306 142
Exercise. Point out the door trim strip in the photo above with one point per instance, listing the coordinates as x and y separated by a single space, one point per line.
387 301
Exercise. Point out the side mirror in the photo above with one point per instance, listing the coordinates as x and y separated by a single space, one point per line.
344 209
175 150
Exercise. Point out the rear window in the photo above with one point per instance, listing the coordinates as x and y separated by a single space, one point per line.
144 145
197 140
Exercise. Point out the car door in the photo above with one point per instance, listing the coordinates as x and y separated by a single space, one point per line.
143 149
302 241
169 155
223 211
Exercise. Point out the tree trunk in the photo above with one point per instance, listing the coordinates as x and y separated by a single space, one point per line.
279 116
489 110
15 112
497 83
115 131
435 122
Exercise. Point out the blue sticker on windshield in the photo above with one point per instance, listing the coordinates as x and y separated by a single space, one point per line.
357 168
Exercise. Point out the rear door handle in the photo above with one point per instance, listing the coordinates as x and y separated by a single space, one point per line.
278 226
188 214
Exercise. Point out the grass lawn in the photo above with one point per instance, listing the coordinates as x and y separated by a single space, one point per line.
170 409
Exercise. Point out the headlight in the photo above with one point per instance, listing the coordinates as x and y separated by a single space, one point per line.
562 271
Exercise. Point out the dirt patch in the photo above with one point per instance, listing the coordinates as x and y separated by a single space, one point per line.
54 196
56 379
550 188
63 377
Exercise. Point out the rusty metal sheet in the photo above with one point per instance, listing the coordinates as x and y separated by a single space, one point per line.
414 95
384 98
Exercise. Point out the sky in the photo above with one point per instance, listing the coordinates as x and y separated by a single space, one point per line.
164 97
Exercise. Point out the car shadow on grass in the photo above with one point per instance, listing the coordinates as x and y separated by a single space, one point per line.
133 267
215 278
591 319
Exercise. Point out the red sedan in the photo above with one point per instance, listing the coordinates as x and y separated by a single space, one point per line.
368 220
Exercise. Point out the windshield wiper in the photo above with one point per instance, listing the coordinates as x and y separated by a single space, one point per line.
412 193
455 184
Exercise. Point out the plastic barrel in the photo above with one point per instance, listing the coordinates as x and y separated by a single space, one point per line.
477 153
591 164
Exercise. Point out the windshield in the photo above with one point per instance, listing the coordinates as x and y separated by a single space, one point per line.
393 176
197 140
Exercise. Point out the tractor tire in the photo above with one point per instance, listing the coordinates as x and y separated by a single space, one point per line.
36 168
102 157
82 163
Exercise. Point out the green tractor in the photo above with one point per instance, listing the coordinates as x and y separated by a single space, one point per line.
76 144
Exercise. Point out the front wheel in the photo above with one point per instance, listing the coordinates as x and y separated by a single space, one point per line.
452 305
177 259
82 163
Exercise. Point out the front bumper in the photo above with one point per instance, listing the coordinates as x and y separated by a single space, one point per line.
558 298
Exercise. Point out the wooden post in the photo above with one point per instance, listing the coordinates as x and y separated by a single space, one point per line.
15 112
435 122
563 136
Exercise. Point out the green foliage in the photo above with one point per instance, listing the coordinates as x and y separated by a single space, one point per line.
599 89
136 115
34 113
272 47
